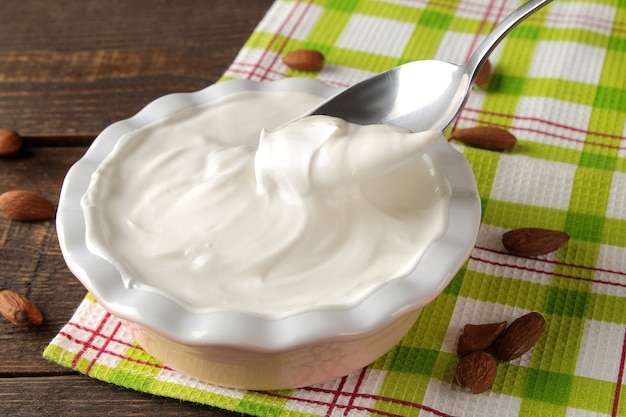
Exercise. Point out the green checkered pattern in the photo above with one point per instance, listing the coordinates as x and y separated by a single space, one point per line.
558 84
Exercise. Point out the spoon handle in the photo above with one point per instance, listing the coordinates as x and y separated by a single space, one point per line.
499 32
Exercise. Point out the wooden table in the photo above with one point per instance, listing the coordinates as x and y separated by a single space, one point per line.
68 69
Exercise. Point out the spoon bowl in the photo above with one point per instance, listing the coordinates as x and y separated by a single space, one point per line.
420 95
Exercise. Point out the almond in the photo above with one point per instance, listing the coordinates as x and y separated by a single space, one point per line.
19 310
484 73
10 142
304 60
521 336
485 137
25 205
476 371
476 337
533 241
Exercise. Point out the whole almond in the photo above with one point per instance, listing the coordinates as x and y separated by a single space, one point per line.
26 206
521 336
19 310
476 337
485 137
533 241
476 371
10 142
304 60
484 74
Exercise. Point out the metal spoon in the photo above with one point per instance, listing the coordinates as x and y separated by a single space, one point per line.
420 95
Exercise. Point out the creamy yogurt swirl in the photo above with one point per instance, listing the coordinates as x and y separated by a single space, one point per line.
316 153
218 209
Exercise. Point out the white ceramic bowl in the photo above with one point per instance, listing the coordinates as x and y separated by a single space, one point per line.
243 350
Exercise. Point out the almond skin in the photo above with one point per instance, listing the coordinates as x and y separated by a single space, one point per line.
533 241
19 310
476 371
484 74
476 337
304 60
485 137
10 142
26 206
521 336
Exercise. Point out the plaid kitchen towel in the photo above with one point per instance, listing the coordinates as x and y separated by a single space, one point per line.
559 85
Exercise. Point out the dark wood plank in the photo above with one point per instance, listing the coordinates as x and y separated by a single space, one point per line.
58 396
74 69
32 264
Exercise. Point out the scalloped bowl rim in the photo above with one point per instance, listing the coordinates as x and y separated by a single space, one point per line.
165 316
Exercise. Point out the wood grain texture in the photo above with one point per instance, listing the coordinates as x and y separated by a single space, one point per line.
32 264
56 396
68 69
73 67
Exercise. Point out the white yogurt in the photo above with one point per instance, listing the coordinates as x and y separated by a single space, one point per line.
316 215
